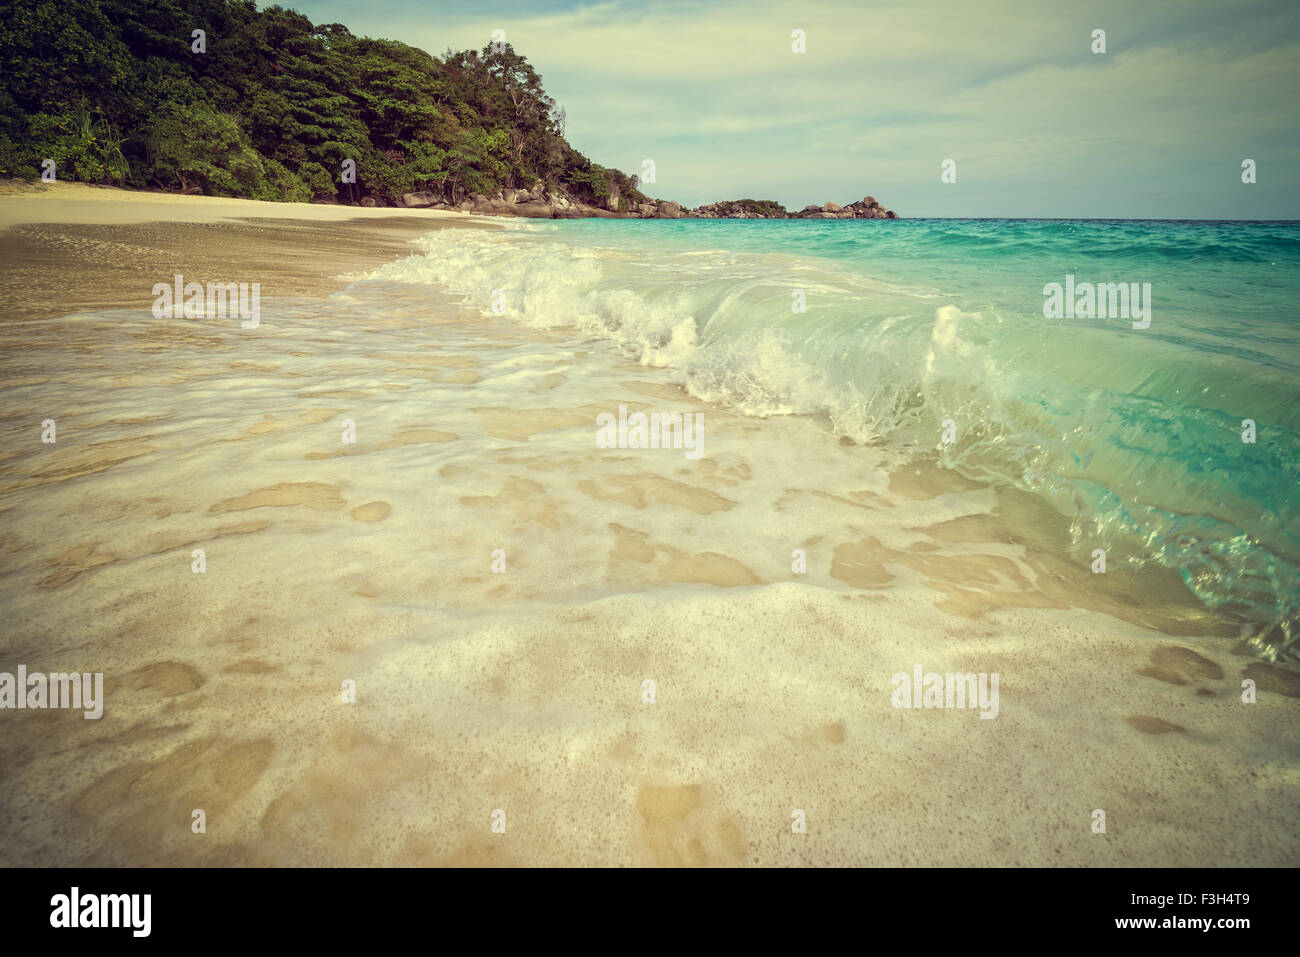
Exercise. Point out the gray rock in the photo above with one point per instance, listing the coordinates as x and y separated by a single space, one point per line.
418 200
533 210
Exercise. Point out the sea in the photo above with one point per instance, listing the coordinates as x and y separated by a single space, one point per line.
1167 433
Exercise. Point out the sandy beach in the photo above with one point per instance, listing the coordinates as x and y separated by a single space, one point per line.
560 654
123 241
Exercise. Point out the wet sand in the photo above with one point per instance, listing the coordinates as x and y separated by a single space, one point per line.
68 247
500 591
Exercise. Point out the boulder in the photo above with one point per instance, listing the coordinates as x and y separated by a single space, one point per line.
533 210
869 201
670 210
512 196
832 207
418 200
368 202
814 208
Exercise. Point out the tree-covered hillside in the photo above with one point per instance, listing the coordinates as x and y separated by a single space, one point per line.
265 104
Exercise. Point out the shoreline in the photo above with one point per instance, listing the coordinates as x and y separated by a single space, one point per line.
510 203
129 241
523 689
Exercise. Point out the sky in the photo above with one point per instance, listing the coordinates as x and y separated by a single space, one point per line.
1035 122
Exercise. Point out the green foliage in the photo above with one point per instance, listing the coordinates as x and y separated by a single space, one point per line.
283 186
590 183
82 146
315 180
13 160
197 149
274 106
764 207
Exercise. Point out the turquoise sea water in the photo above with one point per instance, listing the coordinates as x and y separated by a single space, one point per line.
1135 434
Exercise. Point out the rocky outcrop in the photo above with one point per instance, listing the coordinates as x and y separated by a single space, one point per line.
418 200
867 208
538 202
742 209
532 210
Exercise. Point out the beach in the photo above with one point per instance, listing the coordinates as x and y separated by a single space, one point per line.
437 623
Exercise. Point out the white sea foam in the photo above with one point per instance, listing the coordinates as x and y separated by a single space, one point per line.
883 362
